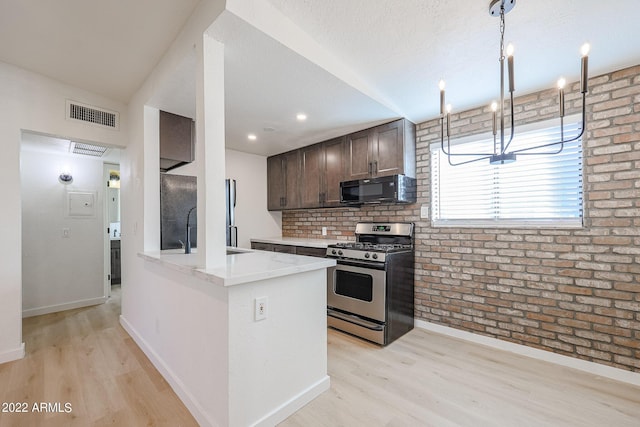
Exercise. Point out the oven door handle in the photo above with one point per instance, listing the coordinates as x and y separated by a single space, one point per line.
355 320
370 265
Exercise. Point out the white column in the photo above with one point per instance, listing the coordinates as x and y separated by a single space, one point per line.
11 345
210 143
149 167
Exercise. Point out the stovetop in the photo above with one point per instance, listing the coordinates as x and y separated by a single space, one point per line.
373 247
375 242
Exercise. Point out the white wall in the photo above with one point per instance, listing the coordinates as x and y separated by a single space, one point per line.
252 218
183 329
36 103
273 361
58 272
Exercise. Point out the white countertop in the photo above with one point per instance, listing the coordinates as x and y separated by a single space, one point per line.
246 267
296 241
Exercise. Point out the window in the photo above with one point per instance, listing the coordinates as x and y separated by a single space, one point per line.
536 190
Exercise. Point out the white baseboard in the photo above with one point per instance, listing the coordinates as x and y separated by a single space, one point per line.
288 408
11 355
30 312
176 384
610 372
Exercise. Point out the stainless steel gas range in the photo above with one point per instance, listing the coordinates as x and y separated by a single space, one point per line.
370 290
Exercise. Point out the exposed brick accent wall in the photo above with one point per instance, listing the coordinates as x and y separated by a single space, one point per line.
571 291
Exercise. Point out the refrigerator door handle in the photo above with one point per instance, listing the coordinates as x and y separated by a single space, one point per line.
232 202
234 192
234 236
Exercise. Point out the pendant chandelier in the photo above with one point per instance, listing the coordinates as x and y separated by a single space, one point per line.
501 154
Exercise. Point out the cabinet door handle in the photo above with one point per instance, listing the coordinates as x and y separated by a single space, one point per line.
375 167
370 168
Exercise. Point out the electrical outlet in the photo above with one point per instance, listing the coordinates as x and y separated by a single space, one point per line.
65 233
424 211
261 308
324 231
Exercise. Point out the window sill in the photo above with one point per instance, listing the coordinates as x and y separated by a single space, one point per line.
517 224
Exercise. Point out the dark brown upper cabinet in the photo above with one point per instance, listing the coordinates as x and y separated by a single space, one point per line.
176 141
383 150
334 170
310 176
283 176
322 170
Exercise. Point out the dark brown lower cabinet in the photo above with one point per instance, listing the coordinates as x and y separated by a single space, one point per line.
115 262
289 249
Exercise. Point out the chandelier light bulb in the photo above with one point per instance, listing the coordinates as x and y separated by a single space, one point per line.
584 50
561 83
510 49
441 85
494 106
448 108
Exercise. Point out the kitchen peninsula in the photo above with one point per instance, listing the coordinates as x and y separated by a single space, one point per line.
204 333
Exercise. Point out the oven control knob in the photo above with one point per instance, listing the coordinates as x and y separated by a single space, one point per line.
366 255
374 256
340 253
333 252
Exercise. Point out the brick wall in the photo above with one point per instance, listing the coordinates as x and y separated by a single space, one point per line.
571 291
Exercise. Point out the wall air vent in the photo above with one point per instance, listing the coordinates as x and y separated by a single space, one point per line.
93 115
87 149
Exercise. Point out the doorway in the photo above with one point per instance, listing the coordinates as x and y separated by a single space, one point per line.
63 216
112 259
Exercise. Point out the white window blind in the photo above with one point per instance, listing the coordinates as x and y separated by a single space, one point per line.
535 190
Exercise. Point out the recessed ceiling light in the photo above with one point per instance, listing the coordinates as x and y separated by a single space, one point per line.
252 137
301 117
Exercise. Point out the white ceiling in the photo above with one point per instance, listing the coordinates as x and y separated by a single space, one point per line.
62 147
372 61
105 47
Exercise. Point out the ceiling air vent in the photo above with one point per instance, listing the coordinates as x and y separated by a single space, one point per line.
87 149
93 115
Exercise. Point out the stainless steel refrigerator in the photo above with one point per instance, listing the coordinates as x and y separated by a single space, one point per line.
232 230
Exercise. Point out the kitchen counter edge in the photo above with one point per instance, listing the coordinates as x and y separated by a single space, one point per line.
296 241
249 266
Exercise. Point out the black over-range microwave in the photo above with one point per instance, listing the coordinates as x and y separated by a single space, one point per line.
384 189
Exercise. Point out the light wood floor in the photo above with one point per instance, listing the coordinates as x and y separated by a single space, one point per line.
85 358
426 379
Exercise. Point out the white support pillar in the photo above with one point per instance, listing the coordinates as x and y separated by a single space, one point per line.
210 150
149 168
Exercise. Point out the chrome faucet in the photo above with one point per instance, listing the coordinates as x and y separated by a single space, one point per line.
187 245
